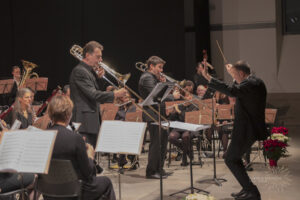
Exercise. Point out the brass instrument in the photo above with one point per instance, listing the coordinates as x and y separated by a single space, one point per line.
143 68
77 51
27 74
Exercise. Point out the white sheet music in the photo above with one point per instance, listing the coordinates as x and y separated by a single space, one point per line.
185 126
121 137
26 151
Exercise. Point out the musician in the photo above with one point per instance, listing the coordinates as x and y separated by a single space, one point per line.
125 106
22 109
16 72
203 92
249 122
86 93
198 78
71 146
179 115
147 82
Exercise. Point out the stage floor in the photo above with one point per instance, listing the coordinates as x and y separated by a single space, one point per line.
280 185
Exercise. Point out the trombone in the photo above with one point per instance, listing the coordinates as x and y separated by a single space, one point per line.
77 51
143 68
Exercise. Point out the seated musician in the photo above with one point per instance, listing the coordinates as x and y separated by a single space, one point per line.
125 106
11 181
71 146
178 114
22 109
222 130
16 72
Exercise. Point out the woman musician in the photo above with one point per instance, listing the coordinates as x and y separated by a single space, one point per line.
178 114
22 109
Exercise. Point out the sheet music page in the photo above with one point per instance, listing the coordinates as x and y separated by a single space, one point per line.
16 125
10 150
27 151
121 137
185 126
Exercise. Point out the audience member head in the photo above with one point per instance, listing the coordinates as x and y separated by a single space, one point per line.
60 109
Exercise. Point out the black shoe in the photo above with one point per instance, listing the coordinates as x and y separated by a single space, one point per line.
184 164
135 166
99 169
178 157
155 176
249 167
249 195
238 193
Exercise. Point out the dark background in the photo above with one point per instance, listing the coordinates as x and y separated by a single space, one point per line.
130 31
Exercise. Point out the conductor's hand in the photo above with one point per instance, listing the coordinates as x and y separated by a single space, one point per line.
120 93
176 94
90 151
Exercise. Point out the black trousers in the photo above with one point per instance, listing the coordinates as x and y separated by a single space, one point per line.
238 147
154 150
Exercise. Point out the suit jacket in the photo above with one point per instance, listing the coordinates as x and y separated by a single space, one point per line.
249 110
70 146
87 96
147 83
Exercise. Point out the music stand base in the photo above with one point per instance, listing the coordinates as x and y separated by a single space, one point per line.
197 190
217 181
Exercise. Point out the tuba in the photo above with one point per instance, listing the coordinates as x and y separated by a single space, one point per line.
27 74
77 51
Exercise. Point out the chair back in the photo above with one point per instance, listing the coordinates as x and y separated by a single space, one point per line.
15 195
61 180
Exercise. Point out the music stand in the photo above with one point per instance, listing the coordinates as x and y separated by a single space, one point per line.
134 116
6 86
37 84
190 128
108 112
215 180
156 97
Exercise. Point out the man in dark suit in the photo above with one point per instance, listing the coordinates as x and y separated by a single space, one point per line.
147 82
249 122
86 93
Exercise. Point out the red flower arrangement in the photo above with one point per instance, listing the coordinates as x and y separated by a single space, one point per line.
275 146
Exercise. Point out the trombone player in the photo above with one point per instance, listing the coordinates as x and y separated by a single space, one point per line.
147 82
86 93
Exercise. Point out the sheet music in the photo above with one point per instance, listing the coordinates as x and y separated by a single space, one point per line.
149 100
26 151
185 126
121 137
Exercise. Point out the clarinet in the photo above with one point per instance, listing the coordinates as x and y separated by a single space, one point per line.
48 100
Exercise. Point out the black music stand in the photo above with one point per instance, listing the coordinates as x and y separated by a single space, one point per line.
156 97
192 188
217 181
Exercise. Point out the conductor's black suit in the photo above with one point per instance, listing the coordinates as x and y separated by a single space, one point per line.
249 122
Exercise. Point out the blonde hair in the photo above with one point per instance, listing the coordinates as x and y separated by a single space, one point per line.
60 109
17 105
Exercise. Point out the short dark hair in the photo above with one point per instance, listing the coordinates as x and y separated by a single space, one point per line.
14 67
90 47
242 66
154 60
188 83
